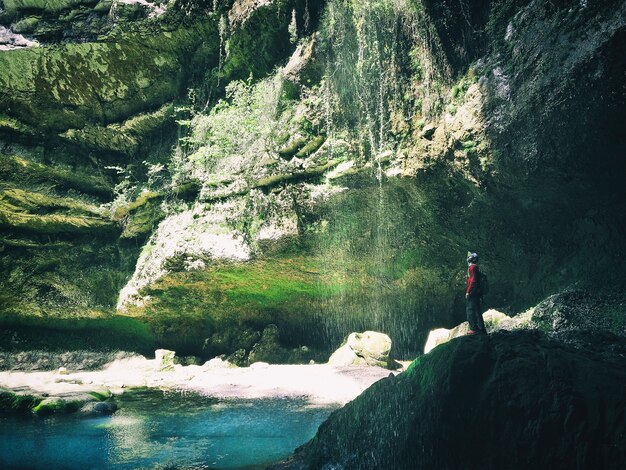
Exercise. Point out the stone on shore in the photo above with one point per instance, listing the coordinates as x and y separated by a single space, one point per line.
164 360
363 349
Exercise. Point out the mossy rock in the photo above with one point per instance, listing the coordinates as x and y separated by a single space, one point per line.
57 405
27 172
141 216
13 7
131 73
19 200
11 402
126 138
514 400
21 211
311 147
294 147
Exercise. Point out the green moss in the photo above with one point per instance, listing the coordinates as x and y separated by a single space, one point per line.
311 147
74 84
49 406
141 216
92 330
19 200
77 218
312 172
16 403
13 6
12 126
143 199
125 138
100 396
26 172
293 148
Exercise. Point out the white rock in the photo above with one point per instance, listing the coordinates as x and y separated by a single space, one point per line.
435 338
164 360
216 363
190 235
344 356
368 348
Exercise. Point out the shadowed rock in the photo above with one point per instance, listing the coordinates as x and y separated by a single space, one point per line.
510 400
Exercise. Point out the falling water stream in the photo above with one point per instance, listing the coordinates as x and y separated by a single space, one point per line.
364 82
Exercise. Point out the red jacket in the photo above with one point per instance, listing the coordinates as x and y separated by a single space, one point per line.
473 280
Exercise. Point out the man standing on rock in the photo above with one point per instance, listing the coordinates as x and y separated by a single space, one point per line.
473 297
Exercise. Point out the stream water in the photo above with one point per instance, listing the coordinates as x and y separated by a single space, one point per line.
152 430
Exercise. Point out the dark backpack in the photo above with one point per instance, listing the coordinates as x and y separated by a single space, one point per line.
483 283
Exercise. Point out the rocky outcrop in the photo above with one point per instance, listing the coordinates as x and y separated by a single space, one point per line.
494 321
344 189
509 400
369 348
269 349
580 309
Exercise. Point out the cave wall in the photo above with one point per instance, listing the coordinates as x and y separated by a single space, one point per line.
499 132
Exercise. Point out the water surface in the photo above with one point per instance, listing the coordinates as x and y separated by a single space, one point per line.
153 430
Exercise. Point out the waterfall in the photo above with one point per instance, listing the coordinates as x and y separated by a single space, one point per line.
368 73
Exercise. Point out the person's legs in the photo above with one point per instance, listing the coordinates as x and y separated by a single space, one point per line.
480 323
471 314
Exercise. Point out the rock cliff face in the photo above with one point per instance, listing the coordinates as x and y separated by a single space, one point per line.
510 400
214 168
88 105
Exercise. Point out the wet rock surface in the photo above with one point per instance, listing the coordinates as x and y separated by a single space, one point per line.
369 348
508 400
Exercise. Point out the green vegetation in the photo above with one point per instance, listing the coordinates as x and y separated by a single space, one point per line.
132 73
77 218
17 403
244 124
101 396
93 330
27 172
293 148
125 138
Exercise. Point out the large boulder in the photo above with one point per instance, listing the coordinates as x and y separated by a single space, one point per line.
580 309
509 400
363 349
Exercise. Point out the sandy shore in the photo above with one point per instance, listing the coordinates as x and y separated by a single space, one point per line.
319 383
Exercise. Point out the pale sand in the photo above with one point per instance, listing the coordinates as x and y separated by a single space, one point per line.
319 383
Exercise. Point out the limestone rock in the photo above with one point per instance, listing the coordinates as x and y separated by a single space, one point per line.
164 360
268 349
494 320
369 348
